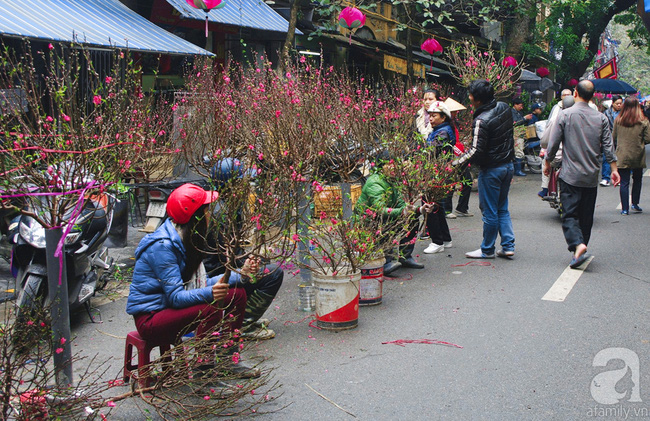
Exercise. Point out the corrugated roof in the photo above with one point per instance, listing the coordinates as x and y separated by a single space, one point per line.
246 13
106 23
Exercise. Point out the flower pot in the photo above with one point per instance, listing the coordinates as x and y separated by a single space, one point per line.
337 300
372 281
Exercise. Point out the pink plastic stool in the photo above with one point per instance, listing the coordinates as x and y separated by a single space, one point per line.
144 348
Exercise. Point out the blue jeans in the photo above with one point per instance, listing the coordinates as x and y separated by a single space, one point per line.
607 169
493 188
637 178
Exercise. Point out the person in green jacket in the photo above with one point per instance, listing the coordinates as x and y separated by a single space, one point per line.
381 194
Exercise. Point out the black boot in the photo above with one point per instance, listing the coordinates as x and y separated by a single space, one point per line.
410 262
519 166
391 266
254 328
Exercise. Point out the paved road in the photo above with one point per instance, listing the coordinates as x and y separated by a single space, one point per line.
522 357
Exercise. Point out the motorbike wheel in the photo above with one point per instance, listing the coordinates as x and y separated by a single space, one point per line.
31 315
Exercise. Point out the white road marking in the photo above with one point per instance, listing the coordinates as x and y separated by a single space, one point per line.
562 287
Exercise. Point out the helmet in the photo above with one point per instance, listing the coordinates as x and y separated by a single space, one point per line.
228 168
186 200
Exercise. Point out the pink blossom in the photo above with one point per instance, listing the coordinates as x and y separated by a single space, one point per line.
97 99
321 153
59 350
235 358
288 75
49 119
295 237
108 80
285 153
278 113
110 404
260 156
206 397
66 117
63 341
226 79
50 46
30 323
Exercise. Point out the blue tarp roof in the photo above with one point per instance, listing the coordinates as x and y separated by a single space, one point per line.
90 22
246 13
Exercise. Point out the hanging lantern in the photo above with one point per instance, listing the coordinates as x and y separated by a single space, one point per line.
509 62
351 18
543 72
206 6
432 47
572 83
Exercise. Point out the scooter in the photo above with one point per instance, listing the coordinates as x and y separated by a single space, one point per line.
88 264
553 196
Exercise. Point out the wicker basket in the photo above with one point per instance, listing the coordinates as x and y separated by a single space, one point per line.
330 201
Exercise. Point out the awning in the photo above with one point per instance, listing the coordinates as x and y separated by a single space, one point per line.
245 13
106 23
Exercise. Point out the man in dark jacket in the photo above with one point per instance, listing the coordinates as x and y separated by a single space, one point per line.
492 150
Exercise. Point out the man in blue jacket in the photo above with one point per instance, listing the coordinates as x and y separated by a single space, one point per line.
492 151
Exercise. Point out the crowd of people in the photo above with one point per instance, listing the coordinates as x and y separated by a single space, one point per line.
172 294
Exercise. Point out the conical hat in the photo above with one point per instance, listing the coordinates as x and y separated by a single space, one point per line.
453 105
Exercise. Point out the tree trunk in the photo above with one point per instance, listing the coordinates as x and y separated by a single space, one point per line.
595 29
409 56
291 34
520 31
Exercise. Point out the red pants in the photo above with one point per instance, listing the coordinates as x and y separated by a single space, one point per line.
169 325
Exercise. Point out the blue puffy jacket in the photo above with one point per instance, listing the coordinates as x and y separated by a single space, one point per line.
157 282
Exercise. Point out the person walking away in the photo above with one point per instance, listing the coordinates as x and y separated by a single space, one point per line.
584 135
520 122
631 134
442 138
170 294
492 150
611 113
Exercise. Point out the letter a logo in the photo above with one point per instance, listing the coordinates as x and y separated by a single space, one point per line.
603 385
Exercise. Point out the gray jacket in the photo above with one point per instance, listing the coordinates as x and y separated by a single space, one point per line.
585 135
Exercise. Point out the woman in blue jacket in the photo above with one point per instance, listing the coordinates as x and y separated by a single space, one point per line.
170 294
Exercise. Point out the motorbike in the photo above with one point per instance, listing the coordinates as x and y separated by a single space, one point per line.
88 264
553 196
157 195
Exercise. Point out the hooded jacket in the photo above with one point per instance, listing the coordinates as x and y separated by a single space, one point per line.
381 197
492 137
157 282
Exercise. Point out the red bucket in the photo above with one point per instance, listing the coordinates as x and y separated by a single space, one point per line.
372 281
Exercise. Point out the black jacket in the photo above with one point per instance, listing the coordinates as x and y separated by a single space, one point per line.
492 138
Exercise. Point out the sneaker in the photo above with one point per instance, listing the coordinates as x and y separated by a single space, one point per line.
636 208
258 333
424 236
465 214
506 253
448 244
434 248
624 212
604 182
543 193
451 215
478 254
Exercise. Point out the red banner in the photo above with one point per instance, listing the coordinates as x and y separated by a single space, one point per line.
607 70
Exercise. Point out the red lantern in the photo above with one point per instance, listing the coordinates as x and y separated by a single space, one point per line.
572 83
206 6
543 72
509 62
432 47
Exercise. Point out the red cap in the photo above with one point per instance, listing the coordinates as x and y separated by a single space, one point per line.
186 200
